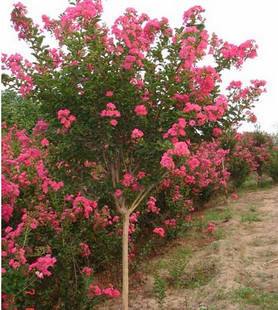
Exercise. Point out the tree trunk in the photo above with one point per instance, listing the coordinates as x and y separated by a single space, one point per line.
125 260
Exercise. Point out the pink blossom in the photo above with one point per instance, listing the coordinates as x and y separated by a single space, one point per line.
94 290
193 13
167 161
180 149
217 132
113 122
40 126
128 179
88 206
193 163
136 134
111 292
151 203
234 196
109 93
65 118
87 271
42 264
85 249
44 142
159 231
141 110
171 222
211 228
118 193
141 175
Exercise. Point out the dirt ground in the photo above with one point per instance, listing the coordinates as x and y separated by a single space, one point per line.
237 269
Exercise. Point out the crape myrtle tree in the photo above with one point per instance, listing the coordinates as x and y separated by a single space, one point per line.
132 102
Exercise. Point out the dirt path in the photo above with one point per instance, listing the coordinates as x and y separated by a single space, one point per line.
238 269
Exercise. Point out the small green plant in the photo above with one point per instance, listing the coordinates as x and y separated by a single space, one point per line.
176 273
248 295
178 264
159 290
219 234
218 215
252 208
202 274
250 217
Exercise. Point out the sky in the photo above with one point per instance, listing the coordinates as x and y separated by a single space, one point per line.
234 21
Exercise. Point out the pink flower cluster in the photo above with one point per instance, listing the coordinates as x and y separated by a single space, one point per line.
85 9
85 249
41 266
21 23
192 46
131 181
80 206
56 57
111 112
211 228
95 290
151 205
194 15
159 231
136 34
141 110
180 149
171 222
238 54
66 118
177 130
19 69
136 134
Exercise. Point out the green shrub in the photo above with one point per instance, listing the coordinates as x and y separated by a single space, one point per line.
273 166
239 170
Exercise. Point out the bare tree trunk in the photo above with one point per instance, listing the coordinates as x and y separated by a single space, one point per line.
125 260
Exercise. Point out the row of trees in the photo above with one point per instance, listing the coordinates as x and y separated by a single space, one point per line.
120 134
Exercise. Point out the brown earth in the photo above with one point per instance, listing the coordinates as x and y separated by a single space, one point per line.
235 269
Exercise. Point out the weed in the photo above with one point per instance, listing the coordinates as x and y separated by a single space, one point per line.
219 234
248 295
200 274
250 217
159 290
218 215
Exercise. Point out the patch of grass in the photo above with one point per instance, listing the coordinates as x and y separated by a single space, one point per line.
177 266
252 208
220 294
250 296
214 246
198 275
219 234
177 258
250 217
202 275
218 215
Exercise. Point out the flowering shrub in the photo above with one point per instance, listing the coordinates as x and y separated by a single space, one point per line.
272 166
249 153
26 209
35 227
132 114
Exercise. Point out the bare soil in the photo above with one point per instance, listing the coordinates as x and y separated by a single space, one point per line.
236 269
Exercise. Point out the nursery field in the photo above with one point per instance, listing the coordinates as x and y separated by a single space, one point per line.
234 268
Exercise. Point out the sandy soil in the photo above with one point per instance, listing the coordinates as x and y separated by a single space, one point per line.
245 257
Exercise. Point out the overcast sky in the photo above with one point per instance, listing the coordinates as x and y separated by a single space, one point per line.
234 21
